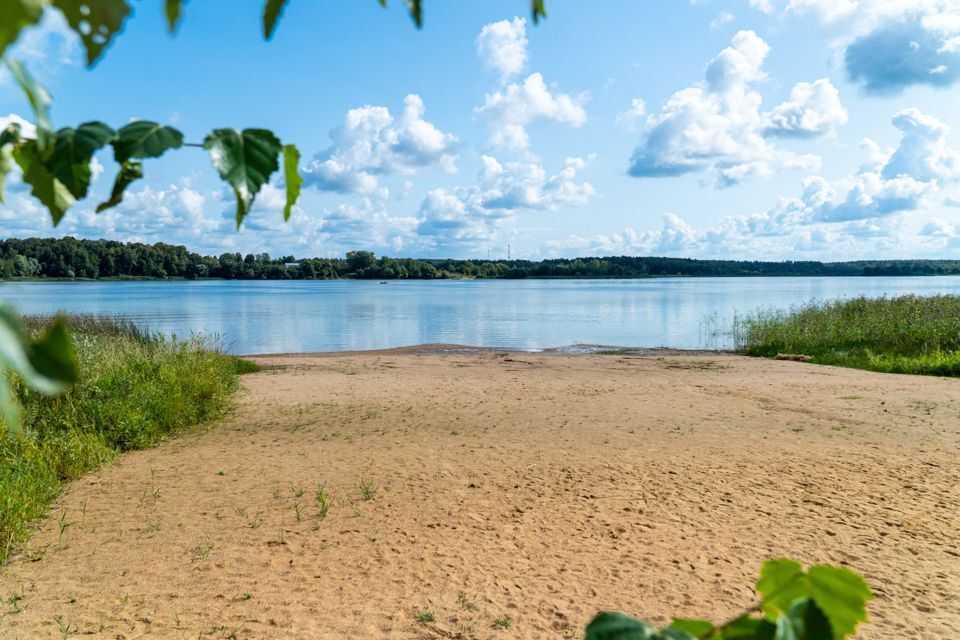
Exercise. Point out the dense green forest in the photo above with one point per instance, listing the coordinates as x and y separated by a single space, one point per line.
72 258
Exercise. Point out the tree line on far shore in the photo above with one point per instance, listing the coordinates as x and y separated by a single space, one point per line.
72 258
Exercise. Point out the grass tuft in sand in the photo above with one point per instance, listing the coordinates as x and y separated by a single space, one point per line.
135 388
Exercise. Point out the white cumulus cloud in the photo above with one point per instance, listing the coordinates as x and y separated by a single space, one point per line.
717 126
889 45
468 217
372 143
510 111
502 47
814 109
874 211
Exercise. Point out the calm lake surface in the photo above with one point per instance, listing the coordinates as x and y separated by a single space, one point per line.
285 316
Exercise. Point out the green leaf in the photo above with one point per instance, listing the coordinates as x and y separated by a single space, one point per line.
17 14
129 173
47 365
697 628
538 9
44 185
291 174
786 630
617 626
10 134
39 101
781 582
6 163
245 160
53 358
72 152
145 139
415 7
172 9
748 628
808 621
95 21
841 595
271 13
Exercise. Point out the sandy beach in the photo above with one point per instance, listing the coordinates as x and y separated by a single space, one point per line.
507 495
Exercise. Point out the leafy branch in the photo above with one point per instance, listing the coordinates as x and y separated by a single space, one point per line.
47 364
56 164
822 603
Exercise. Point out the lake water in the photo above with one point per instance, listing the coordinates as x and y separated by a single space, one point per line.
285 316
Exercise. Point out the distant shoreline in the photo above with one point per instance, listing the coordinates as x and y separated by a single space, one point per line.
474 278
72 259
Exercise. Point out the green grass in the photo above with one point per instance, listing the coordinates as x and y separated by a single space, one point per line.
424 617
907 334
135 388
367 489
322 498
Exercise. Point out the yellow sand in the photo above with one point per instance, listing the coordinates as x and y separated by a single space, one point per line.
534 488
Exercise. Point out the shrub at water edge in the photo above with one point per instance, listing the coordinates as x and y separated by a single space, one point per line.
134 389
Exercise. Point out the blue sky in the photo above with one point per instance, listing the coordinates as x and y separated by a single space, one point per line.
769 129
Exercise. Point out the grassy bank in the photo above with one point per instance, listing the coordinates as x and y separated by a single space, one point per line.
134 389
908 334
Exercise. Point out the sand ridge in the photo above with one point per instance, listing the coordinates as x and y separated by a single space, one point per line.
529 488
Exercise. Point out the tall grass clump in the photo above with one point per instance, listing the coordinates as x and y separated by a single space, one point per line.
906 334
135 388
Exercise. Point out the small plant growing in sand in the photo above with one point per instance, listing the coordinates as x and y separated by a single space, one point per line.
822 603
502 622
298 511
251 521
13 602
66 630
202 550
425 617
322 498
153 522
367 489
63 526
465 603
296 490
154 489
353 506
